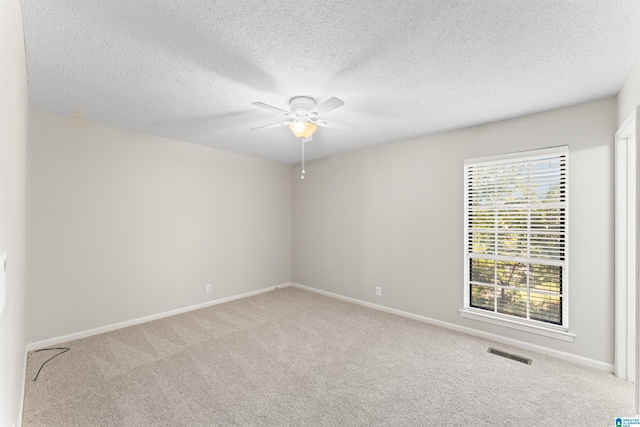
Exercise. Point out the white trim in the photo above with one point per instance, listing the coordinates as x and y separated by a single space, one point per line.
24 379
620 233
512 323
627 129
580 360
102 329
630 129
625 250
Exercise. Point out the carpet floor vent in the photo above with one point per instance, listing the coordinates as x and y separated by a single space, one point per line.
509 356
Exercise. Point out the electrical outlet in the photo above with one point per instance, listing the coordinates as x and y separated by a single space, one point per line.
207 287
378 291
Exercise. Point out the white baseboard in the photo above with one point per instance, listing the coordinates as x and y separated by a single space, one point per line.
486 335
608 367
102 329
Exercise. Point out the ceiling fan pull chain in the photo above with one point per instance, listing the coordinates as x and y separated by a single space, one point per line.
302 142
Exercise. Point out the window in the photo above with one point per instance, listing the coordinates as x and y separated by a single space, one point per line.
516 212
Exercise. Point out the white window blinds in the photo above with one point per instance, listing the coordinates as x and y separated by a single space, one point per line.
516 212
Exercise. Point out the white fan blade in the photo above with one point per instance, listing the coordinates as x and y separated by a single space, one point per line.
328 105
272 108
335 125
272 126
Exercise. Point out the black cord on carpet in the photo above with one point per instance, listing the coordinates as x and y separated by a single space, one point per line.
64 350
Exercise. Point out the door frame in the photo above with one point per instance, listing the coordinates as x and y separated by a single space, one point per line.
626 254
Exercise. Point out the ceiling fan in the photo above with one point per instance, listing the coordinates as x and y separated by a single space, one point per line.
304 114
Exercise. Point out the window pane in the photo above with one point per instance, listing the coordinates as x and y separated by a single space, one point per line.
547 219
481 219
512 244
512 302
547 246
482 297
512 219
511 183
546 308
482 243
482 270
547 180
545 277
512 273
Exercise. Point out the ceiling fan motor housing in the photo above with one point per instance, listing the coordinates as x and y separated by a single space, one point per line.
301 105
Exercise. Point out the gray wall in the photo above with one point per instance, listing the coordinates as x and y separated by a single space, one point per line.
14 110
629 95
125 225
392 216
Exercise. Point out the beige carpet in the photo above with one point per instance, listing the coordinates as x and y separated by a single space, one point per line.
294 358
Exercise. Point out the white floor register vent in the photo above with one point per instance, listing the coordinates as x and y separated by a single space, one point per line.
510 356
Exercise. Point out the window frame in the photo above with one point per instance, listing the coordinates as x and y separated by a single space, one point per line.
511 321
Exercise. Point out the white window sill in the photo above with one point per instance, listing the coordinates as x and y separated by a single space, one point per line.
496 319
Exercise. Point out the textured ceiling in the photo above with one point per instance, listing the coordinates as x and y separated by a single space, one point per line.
189 70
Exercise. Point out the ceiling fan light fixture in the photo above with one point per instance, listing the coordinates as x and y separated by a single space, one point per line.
302 129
